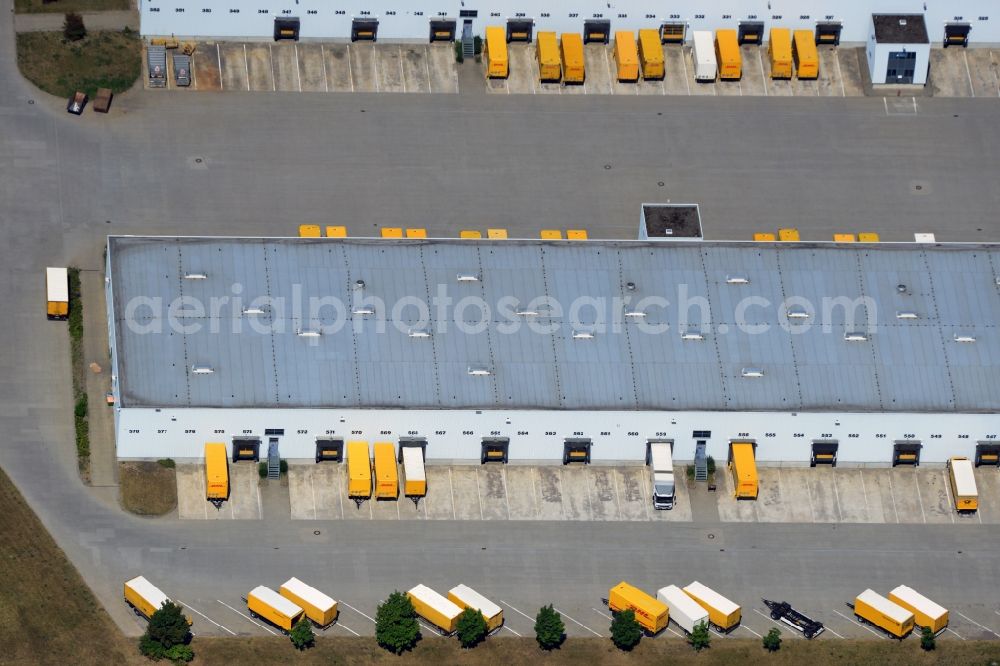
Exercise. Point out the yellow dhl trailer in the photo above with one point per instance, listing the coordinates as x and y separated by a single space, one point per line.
434 608
497 63
651 54
216 472
779 53
359 471
57 289
963 484
318 607
626 56
386 473
806 57
872 608
414 474
723 614
743 469
651 613
573 67
266 604
144 597
926 613
547 50
464 597
727 52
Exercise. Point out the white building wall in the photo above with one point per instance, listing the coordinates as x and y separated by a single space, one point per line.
409 21
538 435
878 59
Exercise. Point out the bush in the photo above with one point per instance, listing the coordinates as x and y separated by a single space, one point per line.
80 408
690 472
396 627
167 635
459 53
550 632
262 470
927 640
625 630
700 638
302 635
282 467
471 628
477 45
772 641
711 466
73 28
167 462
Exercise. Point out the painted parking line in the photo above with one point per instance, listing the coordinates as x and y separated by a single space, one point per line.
743 626
859 624
601 613
675 633
432 632
357 611
515 610
192 608
775 623
575 622
253 621
954 632
512 631
827 628
979 625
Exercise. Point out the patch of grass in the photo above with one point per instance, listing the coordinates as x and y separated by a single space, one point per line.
63 6
147 488
47 613
78 373
167 462
100 60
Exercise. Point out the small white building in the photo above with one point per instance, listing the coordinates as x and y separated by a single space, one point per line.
898 50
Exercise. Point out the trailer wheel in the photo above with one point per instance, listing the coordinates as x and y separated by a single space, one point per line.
775 616
861 619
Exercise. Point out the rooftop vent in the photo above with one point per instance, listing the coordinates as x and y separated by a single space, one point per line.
797 312
906 315
692 336
635 313
479 371
467 277
630 286
362 311
201 370
960 337
526 313
583 335
901 288
308 333
855 336
359 284
737 279
752 372
195 276
253 311
418 333
902 21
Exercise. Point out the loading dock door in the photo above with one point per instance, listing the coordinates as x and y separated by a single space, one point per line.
576 451
329 450
824 453
956 34
987 453
494 450
519 30
672 32
286 27
364 30
906 453
750 32
246 448
828 32
443 30
596 31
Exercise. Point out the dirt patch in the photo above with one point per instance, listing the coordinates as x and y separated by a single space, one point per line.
101 60
147 488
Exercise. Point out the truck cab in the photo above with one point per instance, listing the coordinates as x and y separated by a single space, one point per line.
660 458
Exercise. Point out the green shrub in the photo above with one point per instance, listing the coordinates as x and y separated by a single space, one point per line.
625 630
283 466
711 466
550 631
477 45
80 408
262 470
459 54
167 462
73 28
302 635
471 628
396 627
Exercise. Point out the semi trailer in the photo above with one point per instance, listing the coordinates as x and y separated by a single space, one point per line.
723 614
145 598
874 609
703 56
435 608
662 462
266 604
651 613
782 611
464 597
318 607
926 613
683 610
57 290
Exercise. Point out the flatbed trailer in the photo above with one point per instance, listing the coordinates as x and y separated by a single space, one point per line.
782 611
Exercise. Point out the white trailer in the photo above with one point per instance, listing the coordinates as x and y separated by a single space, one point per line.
926 613
57 290
684 610
703 55
662 461
465 597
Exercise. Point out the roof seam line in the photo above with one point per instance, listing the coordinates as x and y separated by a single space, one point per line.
937 318
791 337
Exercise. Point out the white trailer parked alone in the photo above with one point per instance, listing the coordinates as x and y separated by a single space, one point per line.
684 610
703 56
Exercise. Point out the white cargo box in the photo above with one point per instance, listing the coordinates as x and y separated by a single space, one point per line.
413 463
884 606
147 591
271 598
309 594
920 602
712 598
57 286
703 55
965 479
473 599
660 457
439 603
684 610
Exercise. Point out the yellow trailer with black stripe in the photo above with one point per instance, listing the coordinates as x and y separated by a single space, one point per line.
359 471
806 56
651 55
743 468
626 57
779 53
549 62
573 66
727 53
497 62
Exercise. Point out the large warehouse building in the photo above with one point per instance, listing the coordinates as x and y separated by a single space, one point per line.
847 20
536 350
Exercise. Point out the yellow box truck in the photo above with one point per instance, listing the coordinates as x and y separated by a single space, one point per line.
414 474
386 474
497 63
359 471
268 605
963 484
318 607
806 57
547 51
743 469
779 53
464 597
926 613
723 614
573 66
872 608
434 608
216 472
626 57
57 289
727 53
651 613
144 597
651 54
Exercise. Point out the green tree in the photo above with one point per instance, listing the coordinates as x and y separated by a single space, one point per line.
772 641
73 28
167 635
471 628
625 630
550 632
396 627
700 638
927 640
302 635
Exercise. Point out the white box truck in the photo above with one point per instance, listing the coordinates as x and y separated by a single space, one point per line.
684 610
703 56
662 461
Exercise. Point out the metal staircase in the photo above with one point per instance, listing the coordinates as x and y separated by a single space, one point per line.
700 462
468 46
273 460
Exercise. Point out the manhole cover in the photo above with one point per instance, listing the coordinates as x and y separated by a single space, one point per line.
607 166
711 536
920 187
195 162
316 532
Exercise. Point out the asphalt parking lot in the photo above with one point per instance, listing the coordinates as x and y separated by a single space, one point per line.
244 494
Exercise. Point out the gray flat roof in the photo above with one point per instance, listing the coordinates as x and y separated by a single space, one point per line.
932 341
900 29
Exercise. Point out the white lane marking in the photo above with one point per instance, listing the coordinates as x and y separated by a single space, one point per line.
479 495
771 620
840 74
375 67
298 75
218 60
954 632
832 631
868 509
601 613
274 79
322 54
886 105
575 622
979 625
892 495
427 69
836 496
965 57
431 631
246 66
515 610
512 631
451 484
350 70
607 65
687 84
859 624
348 629
506 499
676 633
914 100
253 621
357 611
743 626
763 76
920 499
402 76
193 609
947 490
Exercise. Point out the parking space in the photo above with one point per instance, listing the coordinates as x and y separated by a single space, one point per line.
244 496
